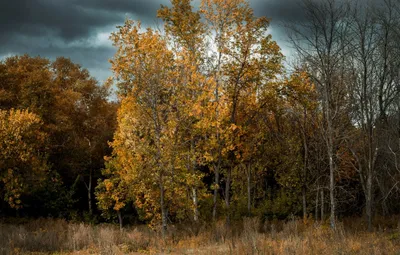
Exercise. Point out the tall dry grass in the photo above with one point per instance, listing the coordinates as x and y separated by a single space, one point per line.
250 236
58 236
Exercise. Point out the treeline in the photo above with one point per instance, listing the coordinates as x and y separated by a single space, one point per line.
55 121
211 123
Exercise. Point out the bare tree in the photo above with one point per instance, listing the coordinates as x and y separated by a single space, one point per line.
363 89
322 42
388 20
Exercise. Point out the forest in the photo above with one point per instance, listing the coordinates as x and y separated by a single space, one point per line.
206 127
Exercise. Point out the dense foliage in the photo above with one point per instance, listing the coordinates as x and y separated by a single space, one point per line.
211 123
55 124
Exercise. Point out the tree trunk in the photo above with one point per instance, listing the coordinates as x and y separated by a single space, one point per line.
216 188
316 204
195 204
163 211
194 189
227 194
322 205
304 128
332 189
370 175
218 165
120 219
368 201
304 203
330 151
248 189
89 187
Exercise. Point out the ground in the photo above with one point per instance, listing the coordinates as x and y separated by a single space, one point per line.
47 236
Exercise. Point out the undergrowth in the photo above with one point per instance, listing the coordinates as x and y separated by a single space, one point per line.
250 236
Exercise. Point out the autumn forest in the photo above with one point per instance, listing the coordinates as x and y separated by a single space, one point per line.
205 125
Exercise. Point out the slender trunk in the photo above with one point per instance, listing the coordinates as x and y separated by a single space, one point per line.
194 189
332 190
370 175
330 151
89 187
322 205
305 165
161 169
368 198
195 204
227 194
163 211
217 167
248 189
304 203
216 188
120 219
316 204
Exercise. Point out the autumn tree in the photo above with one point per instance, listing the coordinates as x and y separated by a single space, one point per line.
22 161
246 61
75 113
302 106
186 33
148 141
113 192
186 103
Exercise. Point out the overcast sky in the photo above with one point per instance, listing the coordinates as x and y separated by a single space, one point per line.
79 29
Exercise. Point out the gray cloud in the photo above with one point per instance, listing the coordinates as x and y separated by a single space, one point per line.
79 29
143 8
278 10
55 18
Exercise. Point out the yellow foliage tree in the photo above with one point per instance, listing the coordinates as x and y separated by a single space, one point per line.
189 97
22 162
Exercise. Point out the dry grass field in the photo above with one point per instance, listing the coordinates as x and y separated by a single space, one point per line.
46 236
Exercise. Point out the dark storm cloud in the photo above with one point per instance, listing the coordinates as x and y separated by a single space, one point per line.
70 19
79 29
145 8
279 10
45 17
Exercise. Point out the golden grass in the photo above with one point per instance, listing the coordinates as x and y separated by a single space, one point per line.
47 236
